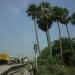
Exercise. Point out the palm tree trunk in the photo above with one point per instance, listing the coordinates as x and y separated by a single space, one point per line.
61 53
36 36
47 36
48 41
50 44
69 37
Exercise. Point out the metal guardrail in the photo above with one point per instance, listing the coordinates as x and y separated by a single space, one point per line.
18 71
13 69
13 72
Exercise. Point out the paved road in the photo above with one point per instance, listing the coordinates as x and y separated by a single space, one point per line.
3 68
21 71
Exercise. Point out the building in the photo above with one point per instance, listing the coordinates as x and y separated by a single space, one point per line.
4 58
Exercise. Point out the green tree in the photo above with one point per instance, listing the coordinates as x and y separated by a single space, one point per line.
65 21
68 57
32 11
45 21
57 15
46 67
73 18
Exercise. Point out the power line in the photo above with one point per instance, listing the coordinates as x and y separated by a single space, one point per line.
5 20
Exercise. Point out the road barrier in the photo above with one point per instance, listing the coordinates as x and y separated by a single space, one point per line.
13 69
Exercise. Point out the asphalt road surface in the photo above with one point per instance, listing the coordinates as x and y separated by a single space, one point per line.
22 71
3 68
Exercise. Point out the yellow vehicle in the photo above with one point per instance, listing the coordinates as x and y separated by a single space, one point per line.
4 58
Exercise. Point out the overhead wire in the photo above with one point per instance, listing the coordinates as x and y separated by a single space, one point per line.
5 20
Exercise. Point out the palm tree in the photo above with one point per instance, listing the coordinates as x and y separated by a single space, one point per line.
73 18
57 15
44 21
65 21
32 11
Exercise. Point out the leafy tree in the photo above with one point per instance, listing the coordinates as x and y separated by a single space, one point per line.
58 14
67 54
32 11
45 21
66 20
46 66
73 18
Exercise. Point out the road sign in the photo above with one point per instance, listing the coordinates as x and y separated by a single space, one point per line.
35 48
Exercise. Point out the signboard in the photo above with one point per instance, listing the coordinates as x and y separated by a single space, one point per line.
35 48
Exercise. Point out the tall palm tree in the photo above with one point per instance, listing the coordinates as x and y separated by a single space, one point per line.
32 11
73 18
57 15
65 21
44 21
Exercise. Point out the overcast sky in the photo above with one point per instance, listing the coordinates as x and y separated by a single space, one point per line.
17 29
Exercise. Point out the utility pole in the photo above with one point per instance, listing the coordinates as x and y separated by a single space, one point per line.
36 36
34 66
35 52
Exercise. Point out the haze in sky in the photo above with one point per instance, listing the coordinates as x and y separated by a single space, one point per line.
17 34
